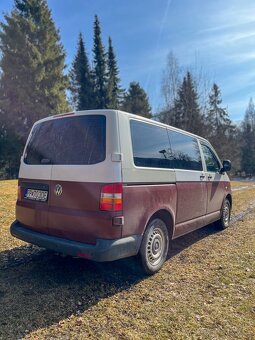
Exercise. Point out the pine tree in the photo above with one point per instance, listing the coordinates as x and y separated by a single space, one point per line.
100 76
186 112
136 101
113 82
82 87
248 140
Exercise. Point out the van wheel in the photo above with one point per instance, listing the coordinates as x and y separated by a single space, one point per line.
224 221
154 247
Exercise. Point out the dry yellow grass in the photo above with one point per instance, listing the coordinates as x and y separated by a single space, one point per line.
8 195
236 184
204 291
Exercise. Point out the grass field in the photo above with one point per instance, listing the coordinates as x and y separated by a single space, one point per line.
206 290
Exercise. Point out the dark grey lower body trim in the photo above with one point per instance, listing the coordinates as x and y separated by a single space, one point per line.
103 250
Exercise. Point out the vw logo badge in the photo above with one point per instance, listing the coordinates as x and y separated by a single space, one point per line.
58 190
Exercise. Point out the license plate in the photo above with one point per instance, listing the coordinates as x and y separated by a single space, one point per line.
36 195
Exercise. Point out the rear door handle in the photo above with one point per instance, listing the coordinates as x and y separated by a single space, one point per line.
202 177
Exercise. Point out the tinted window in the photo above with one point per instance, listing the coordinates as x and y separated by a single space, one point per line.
212 163
70 140
151 146
185 151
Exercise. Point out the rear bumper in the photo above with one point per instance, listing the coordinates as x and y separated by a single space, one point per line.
103 250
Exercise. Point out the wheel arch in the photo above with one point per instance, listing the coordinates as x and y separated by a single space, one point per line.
166 216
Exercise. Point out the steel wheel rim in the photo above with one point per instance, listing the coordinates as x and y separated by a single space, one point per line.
226 215
156 246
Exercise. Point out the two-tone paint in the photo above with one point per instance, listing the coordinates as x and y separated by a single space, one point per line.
184 199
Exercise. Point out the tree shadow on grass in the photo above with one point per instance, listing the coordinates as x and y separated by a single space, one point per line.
39 288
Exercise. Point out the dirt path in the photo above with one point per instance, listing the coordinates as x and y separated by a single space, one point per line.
241 188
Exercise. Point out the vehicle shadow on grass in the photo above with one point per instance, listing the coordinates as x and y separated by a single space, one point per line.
187 240
39 289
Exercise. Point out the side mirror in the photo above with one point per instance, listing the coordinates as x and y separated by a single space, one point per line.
226 166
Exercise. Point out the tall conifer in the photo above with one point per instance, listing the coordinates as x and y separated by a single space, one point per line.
220 130
187 115
82 86
99 66
217 116
248 140
32 83
113 81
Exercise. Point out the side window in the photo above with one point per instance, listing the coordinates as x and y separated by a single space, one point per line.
185 151
212 163
151 146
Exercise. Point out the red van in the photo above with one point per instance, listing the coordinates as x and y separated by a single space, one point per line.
105 185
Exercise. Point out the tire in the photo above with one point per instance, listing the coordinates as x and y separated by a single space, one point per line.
154 246
224 221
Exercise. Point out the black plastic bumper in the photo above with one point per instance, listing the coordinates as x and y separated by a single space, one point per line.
103 250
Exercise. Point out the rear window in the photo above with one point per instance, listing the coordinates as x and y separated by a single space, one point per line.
79 140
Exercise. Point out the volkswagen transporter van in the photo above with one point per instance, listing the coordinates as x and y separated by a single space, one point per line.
105 185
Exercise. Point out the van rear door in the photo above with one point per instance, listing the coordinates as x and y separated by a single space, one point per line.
69 158
82 163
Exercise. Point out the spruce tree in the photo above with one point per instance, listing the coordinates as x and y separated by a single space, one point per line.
220 130
217 117
113 82
100 76
32 83
82 87
248 140
249 118
186 112
136 101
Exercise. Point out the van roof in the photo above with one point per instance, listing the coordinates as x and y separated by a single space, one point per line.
134 116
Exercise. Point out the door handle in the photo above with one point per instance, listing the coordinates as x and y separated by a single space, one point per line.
209 177
202 177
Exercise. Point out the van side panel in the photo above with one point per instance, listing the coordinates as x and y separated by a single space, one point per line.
192 195
216 191
145 190
140 202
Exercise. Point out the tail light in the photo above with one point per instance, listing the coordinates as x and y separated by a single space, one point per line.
111 197
19 193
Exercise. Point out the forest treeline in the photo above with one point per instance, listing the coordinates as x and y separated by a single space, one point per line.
35 83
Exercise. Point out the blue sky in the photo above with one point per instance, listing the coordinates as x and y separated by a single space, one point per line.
219 36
